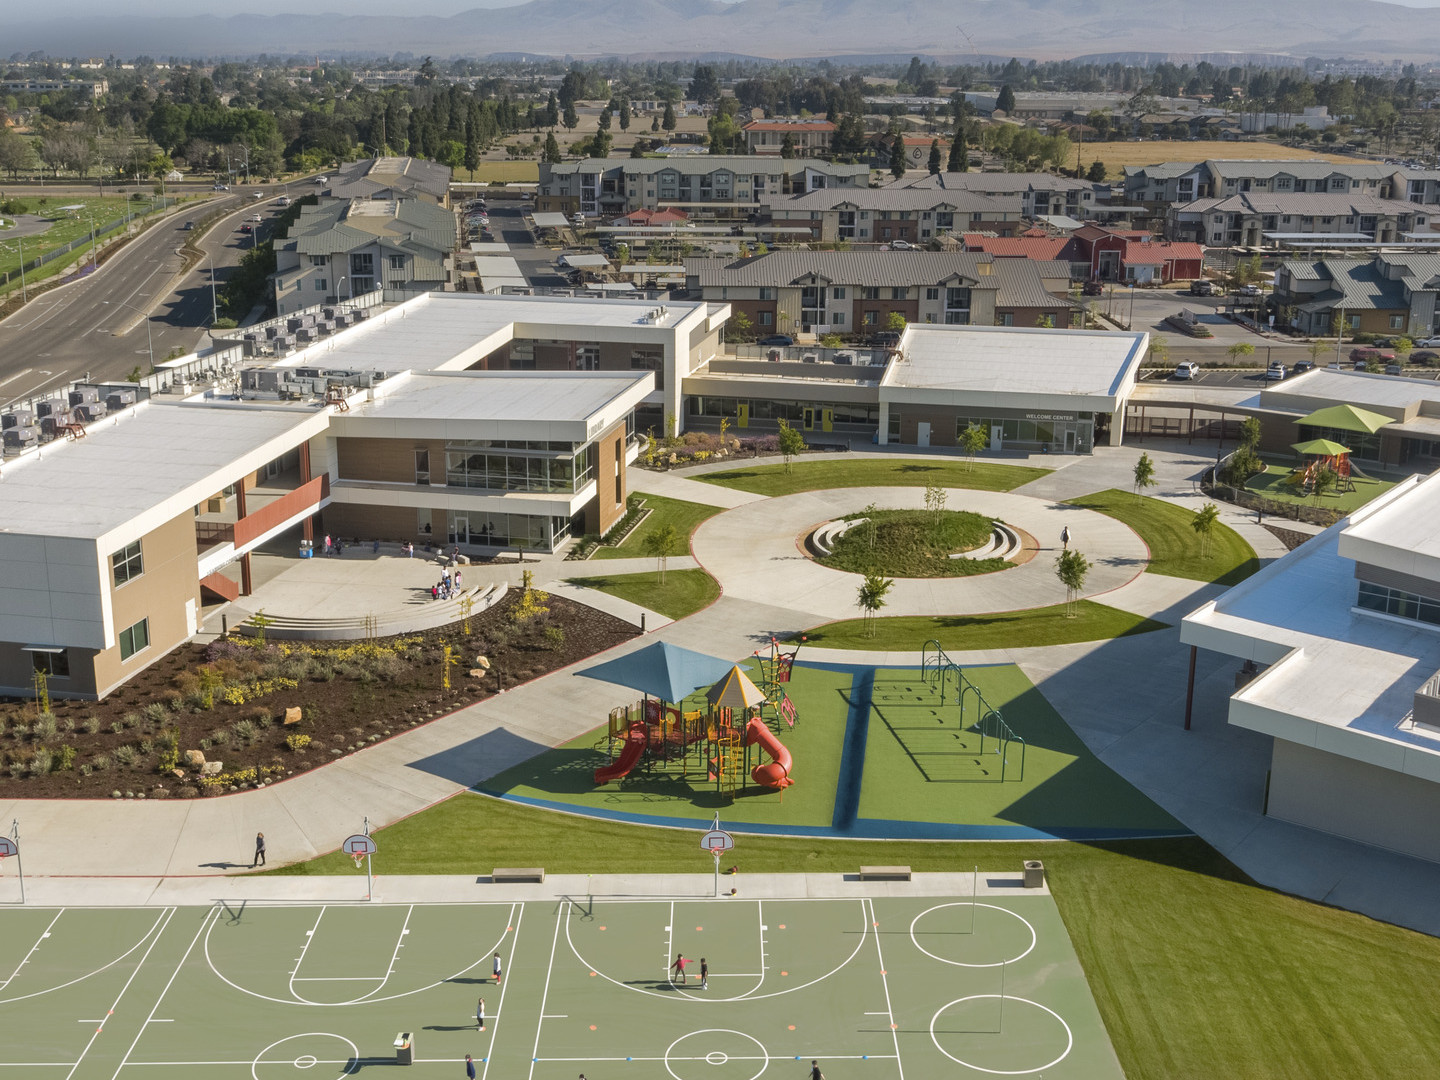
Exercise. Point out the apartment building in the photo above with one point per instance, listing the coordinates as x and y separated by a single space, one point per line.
391 179
1040 194
342 248
1390 293
1179 182
1268 220
855 292
808 138
889 214
702 185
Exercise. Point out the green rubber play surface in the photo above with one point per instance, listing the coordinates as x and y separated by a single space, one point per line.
875 989
875 752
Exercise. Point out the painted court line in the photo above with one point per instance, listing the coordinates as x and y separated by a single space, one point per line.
204 923
885 982
31 953
81 978
560 913
158 931
513 919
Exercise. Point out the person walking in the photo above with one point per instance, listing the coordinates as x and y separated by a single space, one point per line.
327 543
480 1014
409 549
469 1067
376 549
704 974
259 859
1065 537
496 969
679 966
815 1073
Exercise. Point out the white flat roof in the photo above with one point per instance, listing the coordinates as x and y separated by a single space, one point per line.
550 221
451 331
1388 394
1402 535
134 463
1016 361
530 396
589 262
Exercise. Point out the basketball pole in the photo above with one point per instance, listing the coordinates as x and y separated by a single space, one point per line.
974 890
369 880
1003 965
19 866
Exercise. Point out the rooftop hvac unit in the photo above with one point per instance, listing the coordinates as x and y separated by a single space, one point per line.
306 333
90 411
807 358
85 395
262 379
328 312
843 358
271 333
360 314
50 407
120 399
17 419
51 422
21 437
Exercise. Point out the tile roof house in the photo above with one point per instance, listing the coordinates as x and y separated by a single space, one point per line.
668 216
345 247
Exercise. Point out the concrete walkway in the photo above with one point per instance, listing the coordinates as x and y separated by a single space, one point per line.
1124 697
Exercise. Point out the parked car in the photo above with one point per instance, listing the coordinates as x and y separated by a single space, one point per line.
321 180
1249 290
1425 357
188 226
1187 369
1394 369
1300 367
1092 288
1275 372
1202 287
776 339
1368 354
221 187
901 245
247 228
1429 342
258 217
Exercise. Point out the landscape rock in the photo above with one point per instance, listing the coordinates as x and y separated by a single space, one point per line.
211 768
194 758
292 716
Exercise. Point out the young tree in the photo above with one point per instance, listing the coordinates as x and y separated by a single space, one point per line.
791 442
935 160
1325 481
973 440
570 118
868 513
895 323
787 146
740 328
935 499
959 151
1005 100
1144 474
1096 175
625 114
668 120
551 153
661 543
1159 347
1250 433
897 156
1239 349
1071 568
871 598
1204 522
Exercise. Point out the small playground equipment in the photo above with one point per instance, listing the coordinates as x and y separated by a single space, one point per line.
996 736
1323 454
774 674
712 742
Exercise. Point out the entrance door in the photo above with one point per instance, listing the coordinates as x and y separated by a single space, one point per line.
809 419
1069 440
922 434
744 420
827 420
997 436
422 467
461 535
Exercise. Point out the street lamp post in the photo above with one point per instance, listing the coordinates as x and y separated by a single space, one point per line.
1130 323
214 307
148 337
20 246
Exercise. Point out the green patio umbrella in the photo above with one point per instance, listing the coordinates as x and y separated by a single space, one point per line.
1346 418
1324 447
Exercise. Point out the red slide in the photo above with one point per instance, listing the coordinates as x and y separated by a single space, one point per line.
621 766
777 773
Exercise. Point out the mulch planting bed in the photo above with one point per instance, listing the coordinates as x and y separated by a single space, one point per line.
228 700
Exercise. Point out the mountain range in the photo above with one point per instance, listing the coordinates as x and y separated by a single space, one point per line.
950 29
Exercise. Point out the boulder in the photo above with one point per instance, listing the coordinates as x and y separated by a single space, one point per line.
179 774
195 758
211 768
292 716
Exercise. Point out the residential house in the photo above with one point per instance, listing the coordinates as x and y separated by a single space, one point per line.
808 138
885 215
644 218
716 185
390 178
855 292
1256 220
1136 257
1177 182
1390 293
345 247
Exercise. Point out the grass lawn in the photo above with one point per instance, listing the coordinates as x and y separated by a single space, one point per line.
873 472
1197 972
1002 630
1271 484
683 593
1174 545
502 172
911 543
685 516
65 228
1116 155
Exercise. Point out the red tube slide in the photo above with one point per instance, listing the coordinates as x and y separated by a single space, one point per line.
634 746
777 773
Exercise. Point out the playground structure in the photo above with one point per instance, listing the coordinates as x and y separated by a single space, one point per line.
1324 454
996 736
713 742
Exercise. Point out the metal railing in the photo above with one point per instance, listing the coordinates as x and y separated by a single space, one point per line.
989 723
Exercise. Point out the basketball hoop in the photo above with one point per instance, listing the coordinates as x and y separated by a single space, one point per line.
359 857
358 847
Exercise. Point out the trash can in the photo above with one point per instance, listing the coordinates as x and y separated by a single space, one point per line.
404 1048
1034 874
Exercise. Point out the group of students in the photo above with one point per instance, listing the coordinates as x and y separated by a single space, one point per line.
446 587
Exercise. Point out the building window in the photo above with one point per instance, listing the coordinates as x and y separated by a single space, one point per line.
1397 322
1402 605
767 293
870 318
767 318
134 638
318 260
320 284
840 293
54 663
837 318
397 262
932 294
898 292
127 563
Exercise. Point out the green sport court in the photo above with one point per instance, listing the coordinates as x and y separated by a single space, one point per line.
874 988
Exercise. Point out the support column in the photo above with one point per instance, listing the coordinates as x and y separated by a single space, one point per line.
1190 687
240 516
245 582
307 527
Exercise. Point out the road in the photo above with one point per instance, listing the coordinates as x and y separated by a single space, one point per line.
98 326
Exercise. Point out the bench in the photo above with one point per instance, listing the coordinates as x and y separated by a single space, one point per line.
507 874
884 873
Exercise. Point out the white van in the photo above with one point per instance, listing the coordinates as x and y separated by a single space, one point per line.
579 221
